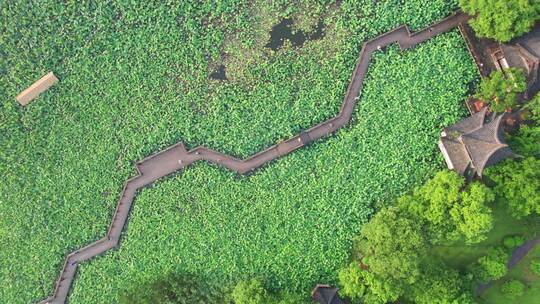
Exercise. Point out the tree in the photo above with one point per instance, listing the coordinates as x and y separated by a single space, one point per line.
500 90
362 286
513 289
517 182
250 292
533 108
526 141
450 209
439 284
492 266
501 19
392 244
181 289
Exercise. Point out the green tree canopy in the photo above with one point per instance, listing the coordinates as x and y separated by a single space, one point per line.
451 210
513 289
393 244
492 266
533 107
518 183
439 284
502 19
362 286
250 292
500 90
180 289
526 141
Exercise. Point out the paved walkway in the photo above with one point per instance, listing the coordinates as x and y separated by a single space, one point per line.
177 157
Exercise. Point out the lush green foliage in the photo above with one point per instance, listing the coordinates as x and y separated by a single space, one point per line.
522 273
253 292
513 241
451 210
513 289
393 246
517 182
362 286
501 88
441 285
249 292
527 140
492 266
185 289
288 218
502 19
134 79
535 266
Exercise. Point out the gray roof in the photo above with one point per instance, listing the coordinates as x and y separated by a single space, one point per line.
524 52
325 294
474 144
468 124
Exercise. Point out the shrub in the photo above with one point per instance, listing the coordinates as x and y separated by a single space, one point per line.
492 266
512 242
535 266
513 289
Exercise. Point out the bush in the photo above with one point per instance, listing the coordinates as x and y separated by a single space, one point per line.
492 266
512 242
535 266
513 289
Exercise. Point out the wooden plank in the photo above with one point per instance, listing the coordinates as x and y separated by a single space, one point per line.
36 88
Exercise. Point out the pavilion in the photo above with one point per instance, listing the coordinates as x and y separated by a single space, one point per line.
474 143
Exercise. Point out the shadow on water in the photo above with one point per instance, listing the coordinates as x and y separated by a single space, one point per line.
283 31
219 74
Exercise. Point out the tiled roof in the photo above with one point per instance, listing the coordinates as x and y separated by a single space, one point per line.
472 144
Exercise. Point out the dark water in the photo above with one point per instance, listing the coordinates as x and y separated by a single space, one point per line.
283 31
219 74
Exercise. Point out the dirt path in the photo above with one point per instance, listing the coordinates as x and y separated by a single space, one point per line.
177 157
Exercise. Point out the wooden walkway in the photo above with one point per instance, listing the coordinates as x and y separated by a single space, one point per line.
177 157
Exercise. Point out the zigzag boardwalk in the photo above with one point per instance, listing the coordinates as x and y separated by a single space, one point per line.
177 157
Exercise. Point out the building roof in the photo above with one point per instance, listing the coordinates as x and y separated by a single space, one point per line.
468 124
474 143
325 294
524 52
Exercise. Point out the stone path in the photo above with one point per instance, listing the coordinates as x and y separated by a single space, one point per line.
177 157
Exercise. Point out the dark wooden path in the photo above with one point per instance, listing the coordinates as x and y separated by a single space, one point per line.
177 157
